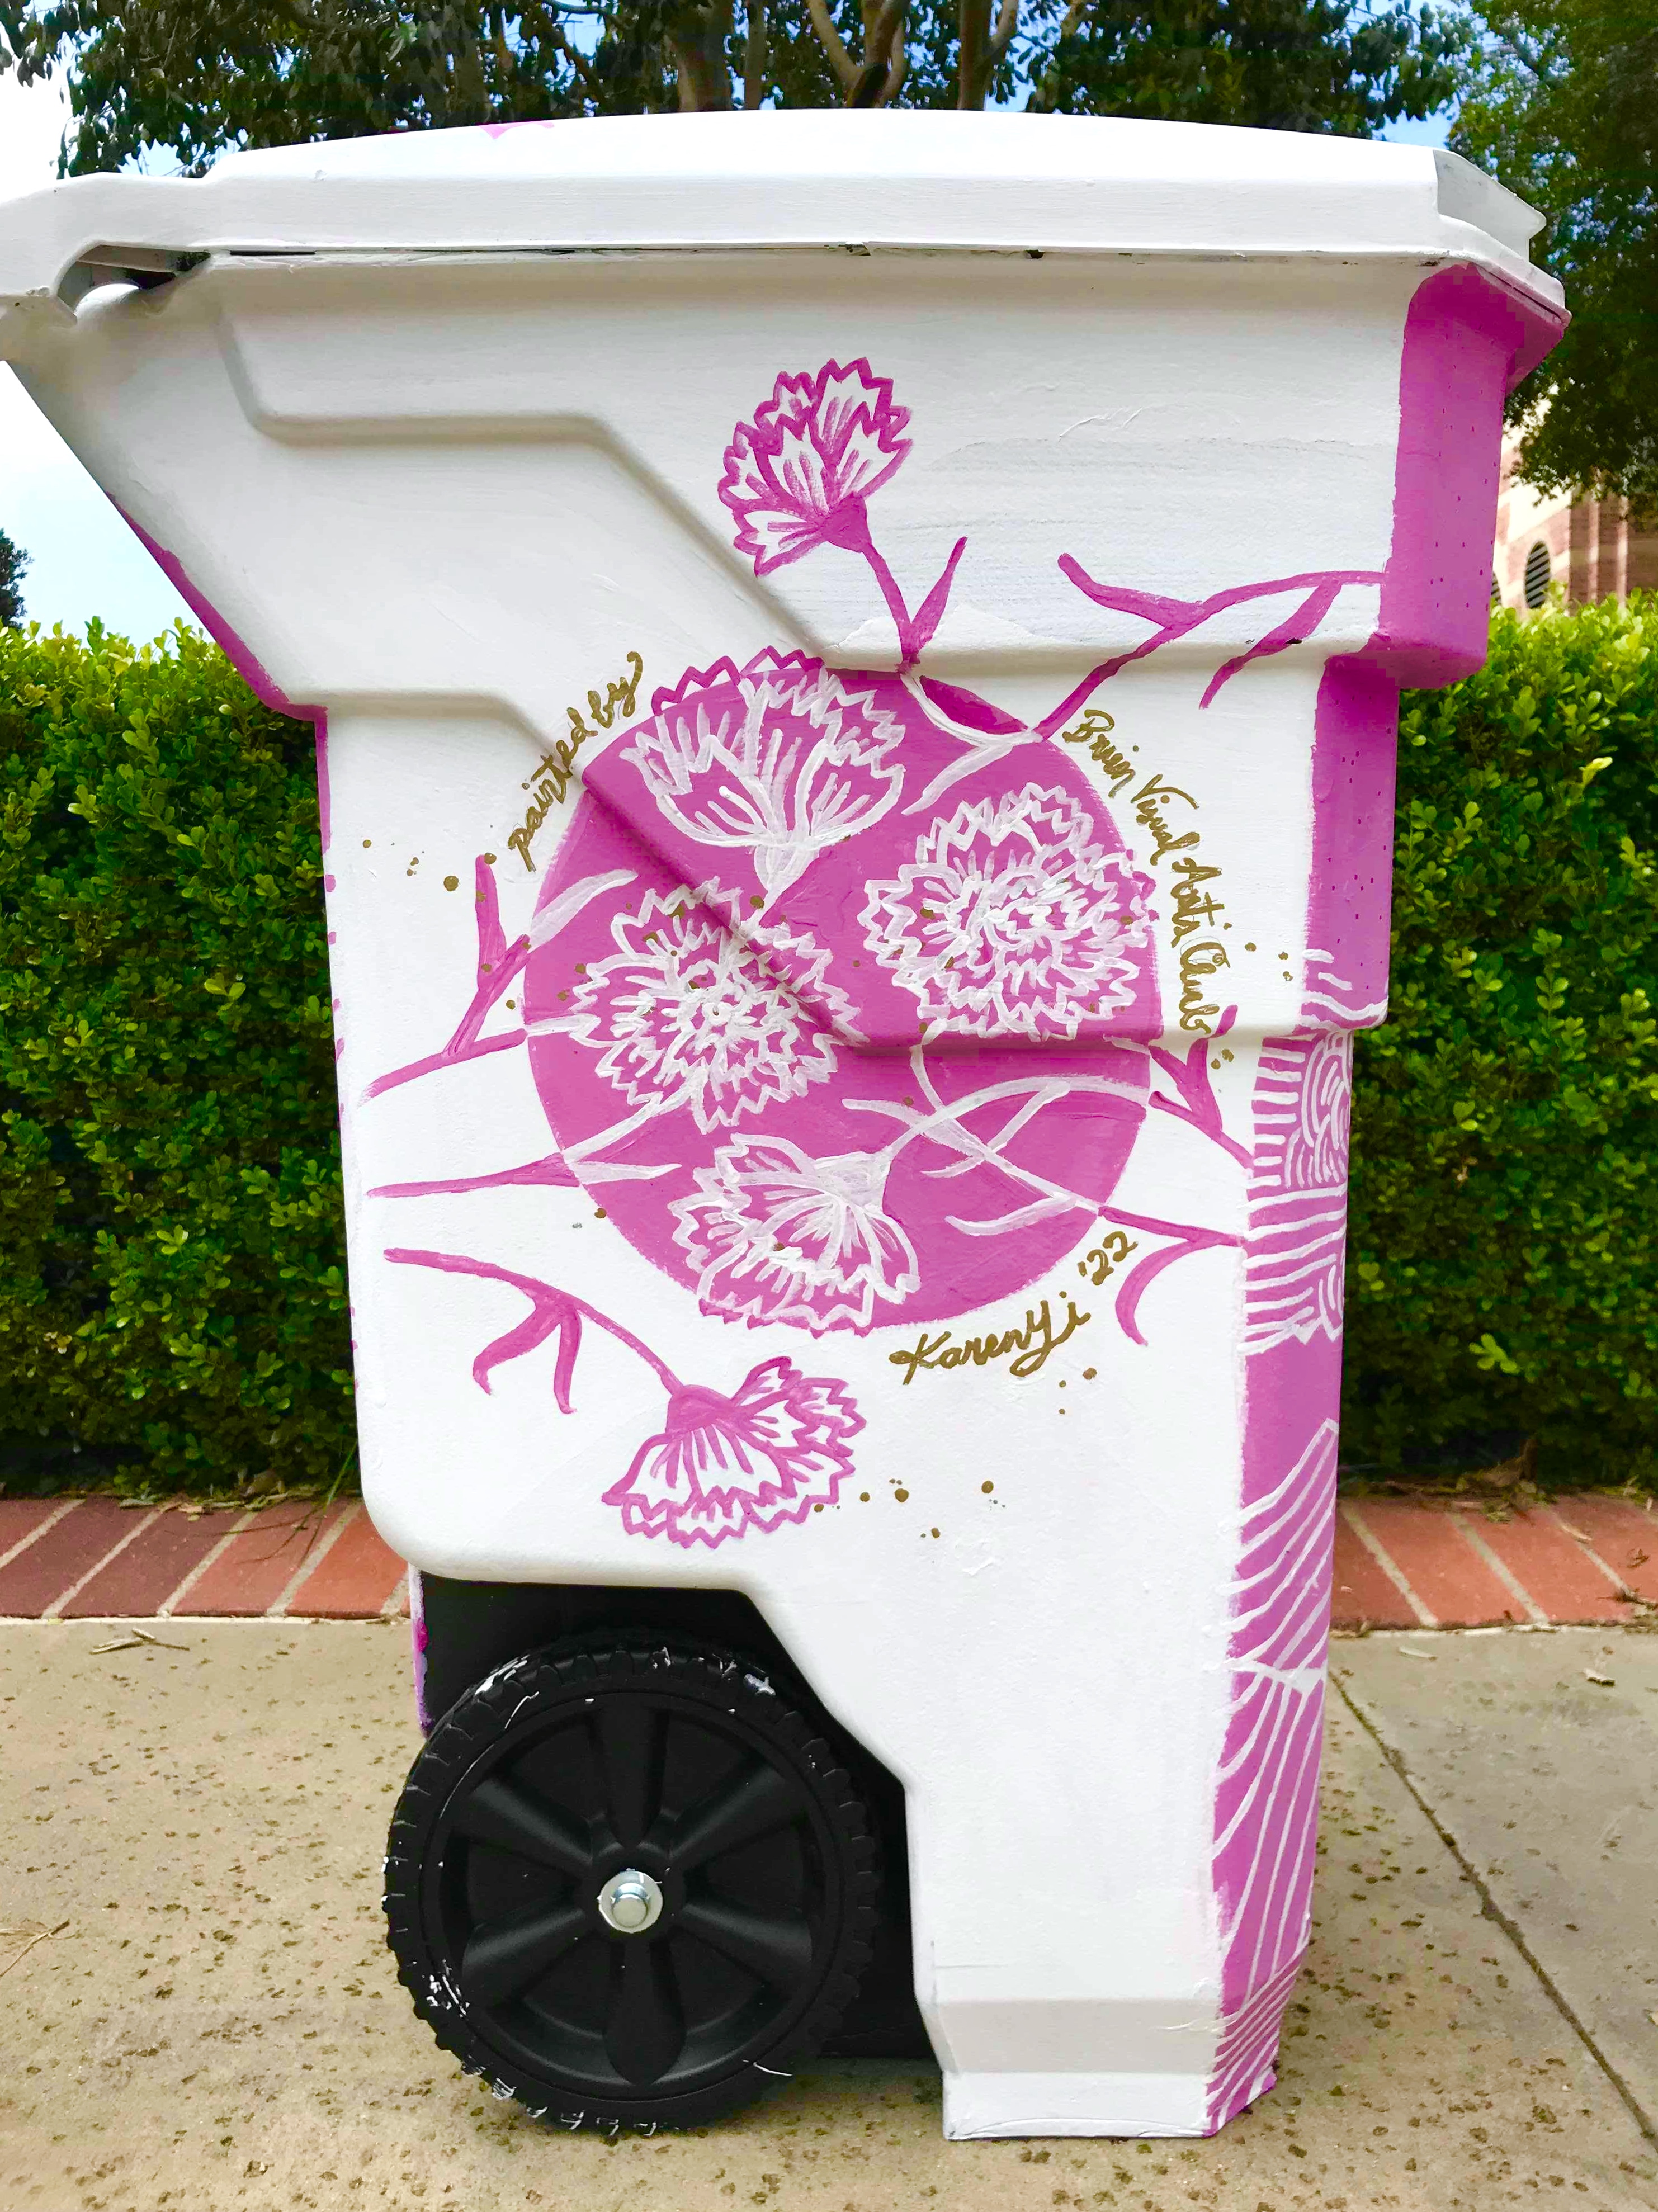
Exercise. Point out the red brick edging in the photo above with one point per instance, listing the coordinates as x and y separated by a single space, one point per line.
1400 1563
92 1558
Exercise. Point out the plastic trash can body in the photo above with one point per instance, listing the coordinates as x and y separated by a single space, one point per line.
856 665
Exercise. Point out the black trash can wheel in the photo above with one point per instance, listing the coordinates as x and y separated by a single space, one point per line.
630 1883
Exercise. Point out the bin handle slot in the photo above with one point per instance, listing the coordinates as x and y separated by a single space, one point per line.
145 266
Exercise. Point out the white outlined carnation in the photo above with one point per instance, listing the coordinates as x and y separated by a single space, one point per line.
687 1012
777 1236
777 760
1011 920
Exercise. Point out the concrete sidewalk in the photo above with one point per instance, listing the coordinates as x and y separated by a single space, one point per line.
212 2024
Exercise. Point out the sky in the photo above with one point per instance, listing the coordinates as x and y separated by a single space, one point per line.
83 560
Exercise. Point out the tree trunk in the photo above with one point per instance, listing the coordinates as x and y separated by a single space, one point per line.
696 39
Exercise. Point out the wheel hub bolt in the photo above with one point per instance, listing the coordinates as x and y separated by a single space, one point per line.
630 1902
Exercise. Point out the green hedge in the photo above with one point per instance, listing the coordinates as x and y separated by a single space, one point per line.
1503 1259
172 1296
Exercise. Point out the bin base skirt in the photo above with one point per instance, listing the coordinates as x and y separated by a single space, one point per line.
1076 2104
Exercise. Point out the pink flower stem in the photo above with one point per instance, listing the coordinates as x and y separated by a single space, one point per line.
550 1304
914 632
1189 1073
893 598
1174 617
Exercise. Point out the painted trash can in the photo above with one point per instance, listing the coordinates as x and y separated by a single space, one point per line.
855 663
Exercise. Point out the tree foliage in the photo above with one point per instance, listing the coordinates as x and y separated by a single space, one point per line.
13 562
172 1284
194 80
1566 112
1503 1259
1271 64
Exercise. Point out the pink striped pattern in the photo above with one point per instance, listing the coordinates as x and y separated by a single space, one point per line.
1298 1191
1246 2063
1267 1795
1266 1811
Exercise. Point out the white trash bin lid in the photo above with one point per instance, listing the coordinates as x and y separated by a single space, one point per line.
846 180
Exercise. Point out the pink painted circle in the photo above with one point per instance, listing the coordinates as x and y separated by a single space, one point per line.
840 996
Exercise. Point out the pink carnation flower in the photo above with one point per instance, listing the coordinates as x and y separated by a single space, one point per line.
776 1235
798 475
1011 922
722 1466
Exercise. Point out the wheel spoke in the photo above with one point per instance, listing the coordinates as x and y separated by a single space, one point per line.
496 1813
776 1950
646 2029
628 1740
505 1958
760 1798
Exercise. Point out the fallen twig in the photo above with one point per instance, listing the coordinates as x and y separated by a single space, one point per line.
132 1638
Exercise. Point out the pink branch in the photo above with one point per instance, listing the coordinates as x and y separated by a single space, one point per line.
496 967
1189 1073
449 1057
550 1309
552 1171
1174 617
1145 1272
1292 630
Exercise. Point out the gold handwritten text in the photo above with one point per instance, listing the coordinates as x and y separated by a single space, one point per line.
552 778
1194 906
1094 731
1198 963
1032 1344
1103 1261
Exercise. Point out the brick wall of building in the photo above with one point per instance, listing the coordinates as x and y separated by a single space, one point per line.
1591 552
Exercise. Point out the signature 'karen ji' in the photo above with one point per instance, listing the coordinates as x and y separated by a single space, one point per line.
1032 1344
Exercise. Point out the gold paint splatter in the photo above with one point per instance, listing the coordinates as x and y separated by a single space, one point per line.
902 1496
1088 1373
863 1498
935 1531
986 1487
600 1215
367 842
489 861
451 883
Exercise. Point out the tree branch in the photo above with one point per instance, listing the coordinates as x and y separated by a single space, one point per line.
834 45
